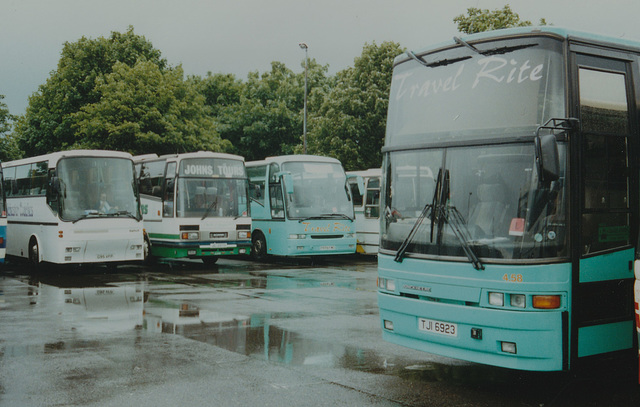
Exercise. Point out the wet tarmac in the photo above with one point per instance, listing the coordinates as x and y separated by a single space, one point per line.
289 332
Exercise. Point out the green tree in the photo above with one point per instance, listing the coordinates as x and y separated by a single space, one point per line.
262 116
219 90
268 117
49 123
146 109
478 20
8 145
351 121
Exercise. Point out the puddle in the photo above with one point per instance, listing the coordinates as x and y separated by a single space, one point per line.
254 336
84 306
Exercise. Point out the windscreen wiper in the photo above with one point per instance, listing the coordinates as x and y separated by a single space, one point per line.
451 215
213 205
327 216
337 216
440 211
441 62
89 214
488 52
493 51
403 247
506 50
428 210
455 219
127 214
440 195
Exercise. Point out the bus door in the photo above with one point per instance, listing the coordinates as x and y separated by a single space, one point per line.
605 203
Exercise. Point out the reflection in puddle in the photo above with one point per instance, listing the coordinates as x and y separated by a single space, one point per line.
91 309
185 305
257 337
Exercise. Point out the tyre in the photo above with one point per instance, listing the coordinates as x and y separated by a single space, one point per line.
210 260
259 249
146 250
34 253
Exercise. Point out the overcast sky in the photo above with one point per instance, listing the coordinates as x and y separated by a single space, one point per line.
240 36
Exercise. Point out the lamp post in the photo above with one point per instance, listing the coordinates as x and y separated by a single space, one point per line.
305 47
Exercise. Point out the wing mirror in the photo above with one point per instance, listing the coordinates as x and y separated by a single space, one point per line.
547 158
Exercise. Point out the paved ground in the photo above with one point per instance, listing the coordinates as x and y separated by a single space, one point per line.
242 333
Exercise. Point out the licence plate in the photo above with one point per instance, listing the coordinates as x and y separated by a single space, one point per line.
438 327
219 245
327 247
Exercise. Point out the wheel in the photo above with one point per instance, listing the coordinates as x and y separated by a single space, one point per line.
210 260
34 253
146 250
259 249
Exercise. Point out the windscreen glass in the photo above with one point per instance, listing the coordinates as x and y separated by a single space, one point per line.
212 187
319 190
487 199
97 186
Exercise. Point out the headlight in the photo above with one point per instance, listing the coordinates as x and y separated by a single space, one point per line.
387 284
518 300
496 299
190 235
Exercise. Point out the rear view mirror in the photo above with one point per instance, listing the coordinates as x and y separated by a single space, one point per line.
55 185
288 181
359 181
547 158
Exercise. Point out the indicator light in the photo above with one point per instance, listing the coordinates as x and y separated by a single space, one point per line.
546 301
190 235
386 284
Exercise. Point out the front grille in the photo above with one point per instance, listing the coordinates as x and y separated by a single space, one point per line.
327 236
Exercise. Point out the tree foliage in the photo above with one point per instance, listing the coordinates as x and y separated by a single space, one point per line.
72 109
478 20
8 146
146 109
118 93
263 116
350 123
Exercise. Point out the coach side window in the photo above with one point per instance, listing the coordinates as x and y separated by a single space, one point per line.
29 179
39 178
604 116
169 185
151 178
10 186
257 177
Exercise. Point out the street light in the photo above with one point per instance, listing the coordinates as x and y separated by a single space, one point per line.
305 47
